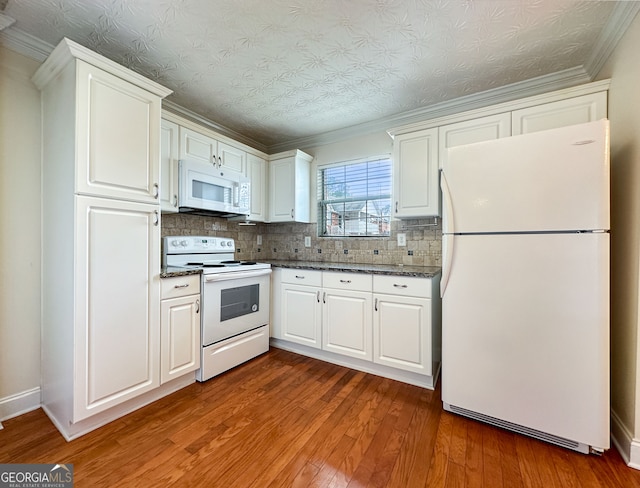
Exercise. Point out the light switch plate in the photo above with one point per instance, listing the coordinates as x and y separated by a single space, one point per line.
307 241
259 239
402 240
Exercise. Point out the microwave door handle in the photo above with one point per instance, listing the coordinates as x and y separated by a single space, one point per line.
236 195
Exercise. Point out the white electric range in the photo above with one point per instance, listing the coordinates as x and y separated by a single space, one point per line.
235 300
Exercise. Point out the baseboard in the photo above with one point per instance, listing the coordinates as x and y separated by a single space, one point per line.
20 403
622 439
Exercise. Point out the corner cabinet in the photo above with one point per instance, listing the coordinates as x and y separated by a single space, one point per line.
101 226
415 175
290 187
404 318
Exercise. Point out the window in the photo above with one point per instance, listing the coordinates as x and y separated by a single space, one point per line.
354 198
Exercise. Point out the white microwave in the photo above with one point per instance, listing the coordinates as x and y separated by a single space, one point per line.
208 190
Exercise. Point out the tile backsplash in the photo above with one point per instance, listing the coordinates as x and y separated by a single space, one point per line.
286 241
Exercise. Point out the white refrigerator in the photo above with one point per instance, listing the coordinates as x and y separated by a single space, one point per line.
525 284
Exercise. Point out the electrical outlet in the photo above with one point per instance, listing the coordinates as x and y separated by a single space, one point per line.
259 239
402 240
307 241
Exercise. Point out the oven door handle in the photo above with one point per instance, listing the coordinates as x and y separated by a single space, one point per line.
236 275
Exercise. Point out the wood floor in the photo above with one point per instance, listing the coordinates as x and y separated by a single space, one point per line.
285 420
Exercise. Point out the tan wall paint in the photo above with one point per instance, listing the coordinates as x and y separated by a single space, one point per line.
624 113
20 226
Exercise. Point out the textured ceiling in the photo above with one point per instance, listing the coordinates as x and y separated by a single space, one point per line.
279 70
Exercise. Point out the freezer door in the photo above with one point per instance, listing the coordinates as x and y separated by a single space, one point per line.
525 334
551 180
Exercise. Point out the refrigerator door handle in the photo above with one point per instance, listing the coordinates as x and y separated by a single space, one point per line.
447 257
448 226
447 234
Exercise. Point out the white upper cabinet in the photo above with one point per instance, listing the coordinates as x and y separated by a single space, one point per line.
290 187
169 166
257 174
561 113
116 155
415 174
197 146
471 131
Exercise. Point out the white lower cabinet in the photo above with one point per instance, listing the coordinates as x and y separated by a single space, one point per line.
346 314
179 327
390 323
301 313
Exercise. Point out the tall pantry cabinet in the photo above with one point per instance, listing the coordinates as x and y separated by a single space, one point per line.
101 235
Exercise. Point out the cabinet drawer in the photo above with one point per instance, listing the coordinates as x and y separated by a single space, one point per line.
179 286
302 277
347 281
400 285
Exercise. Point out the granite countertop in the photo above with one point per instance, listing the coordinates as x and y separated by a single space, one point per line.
383 269
172 272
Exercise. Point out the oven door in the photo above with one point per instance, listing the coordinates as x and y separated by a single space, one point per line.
233 303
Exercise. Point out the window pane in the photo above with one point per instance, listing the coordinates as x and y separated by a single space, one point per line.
355 199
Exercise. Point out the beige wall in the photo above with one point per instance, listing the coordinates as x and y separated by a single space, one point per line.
19 231
624 112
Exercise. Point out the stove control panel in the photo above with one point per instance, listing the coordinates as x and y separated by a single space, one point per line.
186 244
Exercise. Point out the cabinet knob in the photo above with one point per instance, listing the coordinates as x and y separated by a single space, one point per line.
345 281
156 191
175 201
197 306
156 219
318 296
399 286
375 305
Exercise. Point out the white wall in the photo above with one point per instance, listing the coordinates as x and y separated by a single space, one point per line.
19 235
624 113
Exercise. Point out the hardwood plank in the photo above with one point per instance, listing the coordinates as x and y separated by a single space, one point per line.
474 467
439 465
491 459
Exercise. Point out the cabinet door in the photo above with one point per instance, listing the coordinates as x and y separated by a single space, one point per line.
118 137
346 323
301 315
402 333
231 158
180 336
169 167
576 110
281 190
470 131
198 147
117 337
257 173
415 183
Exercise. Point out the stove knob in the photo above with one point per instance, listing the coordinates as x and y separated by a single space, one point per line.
229 243
175 243
223 243
184 243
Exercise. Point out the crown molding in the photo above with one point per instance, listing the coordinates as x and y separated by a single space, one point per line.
523 89
221 129
617 24
5 21
30 46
